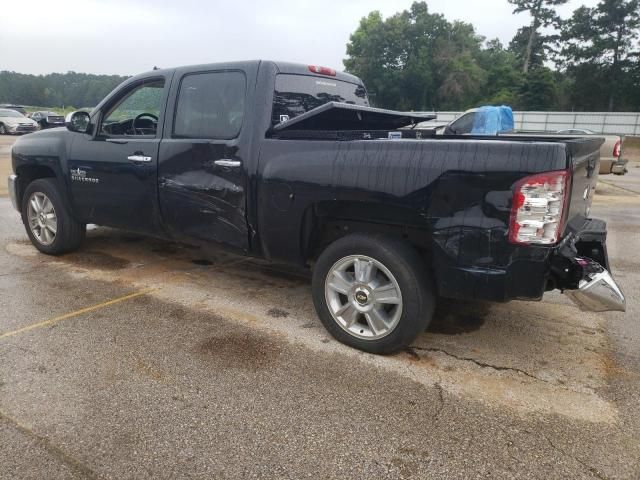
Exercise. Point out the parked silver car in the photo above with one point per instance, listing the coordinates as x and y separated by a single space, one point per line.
12 122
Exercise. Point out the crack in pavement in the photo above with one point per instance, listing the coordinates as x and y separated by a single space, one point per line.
591 469
477 362
54 450
618 186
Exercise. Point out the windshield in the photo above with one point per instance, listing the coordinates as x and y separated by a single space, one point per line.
297 94
10 113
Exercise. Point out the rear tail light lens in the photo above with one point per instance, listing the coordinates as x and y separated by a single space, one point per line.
538 208
617 148
322 70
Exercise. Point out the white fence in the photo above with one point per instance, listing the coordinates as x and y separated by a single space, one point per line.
620 123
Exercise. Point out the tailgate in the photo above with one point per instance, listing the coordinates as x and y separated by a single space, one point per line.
583 157
55 119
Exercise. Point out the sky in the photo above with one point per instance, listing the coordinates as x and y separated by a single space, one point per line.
126 37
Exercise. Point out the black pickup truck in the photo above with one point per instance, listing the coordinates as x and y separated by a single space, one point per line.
290 163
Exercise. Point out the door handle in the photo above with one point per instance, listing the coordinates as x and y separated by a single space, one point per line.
139 158
228 163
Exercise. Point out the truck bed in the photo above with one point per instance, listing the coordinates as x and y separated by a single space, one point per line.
453 191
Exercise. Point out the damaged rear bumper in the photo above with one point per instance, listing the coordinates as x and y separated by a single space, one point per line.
580 268
597 291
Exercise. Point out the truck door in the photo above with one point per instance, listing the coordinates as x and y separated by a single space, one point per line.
113 173
202 170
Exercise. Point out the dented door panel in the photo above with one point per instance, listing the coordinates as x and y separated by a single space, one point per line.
202 199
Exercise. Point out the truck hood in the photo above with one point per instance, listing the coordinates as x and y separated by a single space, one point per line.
345 116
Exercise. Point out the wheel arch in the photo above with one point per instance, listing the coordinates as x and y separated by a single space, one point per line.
325 222
27 174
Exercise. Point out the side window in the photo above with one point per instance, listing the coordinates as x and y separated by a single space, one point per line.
464 124
210 105
136 113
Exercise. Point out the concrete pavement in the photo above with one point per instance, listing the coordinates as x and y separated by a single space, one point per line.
155 360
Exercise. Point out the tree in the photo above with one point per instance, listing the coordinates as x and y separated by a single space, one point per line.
603 40
538 90
542 15
538 51
503 74
416 60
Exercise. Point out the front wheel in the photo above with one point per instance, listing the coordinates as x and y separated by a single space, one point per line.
373 292
3 129
48 222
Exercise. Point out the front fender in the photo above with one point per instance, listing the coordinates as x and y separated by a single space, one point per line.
42 154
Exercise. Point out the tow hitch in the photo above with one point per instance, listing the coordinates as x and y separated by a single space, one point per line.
597 290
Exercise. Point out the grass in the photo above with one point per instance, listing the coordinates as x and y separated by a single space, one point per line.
61 111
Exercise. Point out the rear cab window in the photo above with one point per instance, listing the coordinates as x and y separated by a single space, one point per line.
296 94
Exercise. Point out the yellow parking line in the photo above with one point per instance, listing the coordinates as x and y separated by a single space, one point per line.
76 313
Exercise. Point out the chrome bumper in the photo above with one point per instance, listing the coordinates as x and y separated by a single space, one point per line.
13 192
597 291
619 167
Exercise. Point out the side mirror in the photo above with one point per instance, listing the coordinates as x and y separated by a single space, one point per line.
77 122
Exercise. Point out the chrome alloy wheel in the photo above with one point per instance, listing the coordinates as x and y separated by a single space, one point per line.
42 218
363 297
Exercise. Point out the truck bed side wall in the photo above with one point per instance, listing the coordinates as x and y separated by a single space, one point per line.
456 191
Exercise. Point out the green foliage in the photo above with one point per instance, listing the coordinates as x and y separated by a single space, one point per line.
417 60
539 48
533 44
600 53
538 90
56 89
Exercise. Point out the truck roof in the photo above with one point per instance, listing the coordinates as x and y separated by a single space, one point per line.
282 67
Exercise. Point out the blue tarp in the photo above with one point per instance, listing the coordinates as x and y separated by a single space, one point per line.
493 120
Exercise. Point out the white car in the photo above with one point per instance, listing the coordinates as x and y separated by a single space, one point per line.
12 122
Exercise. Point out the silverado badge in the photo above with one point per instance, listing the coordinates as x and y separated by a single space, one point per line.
79 175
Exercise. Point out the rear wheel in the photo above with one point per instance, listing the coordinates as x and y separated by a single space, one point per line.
373 292
48 222
3 129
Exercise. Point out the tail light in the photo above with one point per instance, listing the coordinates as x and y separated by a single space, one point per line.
617 148
322 70
538 208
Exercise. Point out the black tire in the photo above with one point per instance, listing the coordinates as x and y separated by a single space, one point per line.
410 272
70 233
3 129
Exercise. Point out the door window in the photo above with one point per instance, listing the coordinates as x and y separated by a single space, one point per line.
464 125
210 106
137 112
